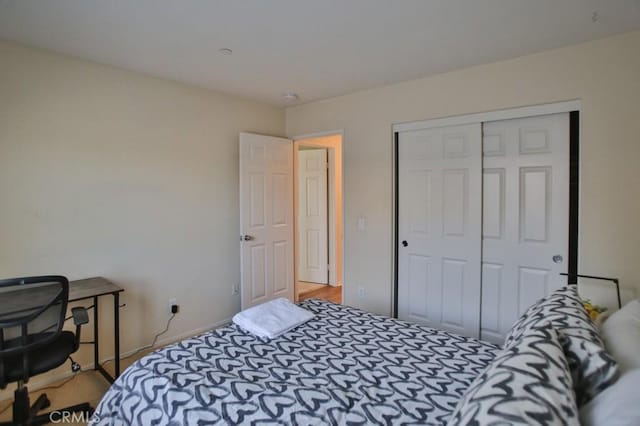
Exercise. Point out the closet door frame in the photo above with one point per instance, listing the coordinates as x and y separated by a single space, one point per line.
573 107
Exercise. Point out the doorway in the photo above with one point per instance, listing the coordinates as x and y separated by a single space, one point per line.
318 218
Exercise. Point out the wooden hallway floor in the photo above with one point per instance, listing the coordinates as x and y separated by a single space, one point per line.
306 290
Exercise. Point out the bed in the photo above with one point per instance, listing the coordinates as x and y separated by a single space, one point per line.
345 366
349 367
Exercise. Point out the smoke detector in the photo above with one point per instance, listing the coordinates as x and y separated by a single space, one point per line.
289 97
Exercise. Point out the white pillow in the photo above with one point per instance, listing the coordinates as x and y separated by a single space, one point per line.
615 406
621 335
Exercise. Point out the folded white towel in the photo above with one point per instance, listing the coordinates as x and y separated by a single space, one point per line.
272 318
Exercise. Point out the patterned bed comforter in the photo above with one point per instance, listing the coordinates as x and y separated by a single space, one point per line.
345 366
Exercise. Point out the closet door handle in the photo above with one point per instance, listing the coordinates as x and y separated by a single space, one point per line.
405 243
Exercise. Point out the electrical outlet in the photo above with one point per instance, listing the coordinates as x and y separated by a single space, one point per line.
235 289
361 292
173 306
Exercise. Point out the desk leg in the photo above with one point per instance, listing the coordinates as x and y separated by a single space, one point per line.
96 352
116 325
96 339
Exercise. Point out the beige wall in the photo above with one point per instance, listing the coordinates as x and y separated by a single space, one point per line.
112 173
604 75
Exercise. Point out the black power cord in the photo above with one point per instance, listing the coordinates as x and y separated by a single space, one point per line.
153 343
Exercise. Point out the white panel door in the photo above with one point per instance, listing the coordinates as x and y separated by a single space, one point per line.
266 218
439 234
525 216
313 228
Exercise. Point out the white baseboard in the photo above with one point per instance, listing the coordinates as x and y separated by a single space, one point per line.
46 381
169 340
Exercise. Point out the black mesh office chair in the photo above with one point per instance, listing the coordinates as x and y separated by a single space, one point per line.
32 314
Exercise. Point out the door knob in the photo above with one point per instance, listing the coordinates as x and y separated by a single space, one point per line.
557 258
405 243
246 238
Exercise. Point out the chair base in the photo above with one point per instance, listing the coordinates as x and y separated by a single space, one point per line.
25 415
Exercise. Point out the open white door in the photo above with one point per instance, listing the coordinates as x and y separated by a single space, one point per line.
266 218
313 253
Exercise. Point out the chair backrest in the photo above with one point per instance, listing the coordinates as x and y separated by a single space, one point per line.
32 314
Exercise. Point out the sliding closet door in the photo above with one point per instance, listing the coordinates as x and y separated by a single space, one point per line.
439 227
525 216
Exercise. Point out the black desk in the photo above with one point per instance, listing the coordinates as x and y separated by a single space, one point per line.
92 288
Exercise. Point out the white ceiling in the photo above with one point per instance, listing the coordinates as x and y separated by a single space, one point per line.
317 48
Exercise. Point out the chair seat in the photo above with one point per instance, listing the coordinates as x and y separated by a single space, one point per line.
44 359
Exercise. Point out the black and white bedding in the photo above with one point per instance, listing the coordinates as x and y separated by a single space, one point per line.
345 366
